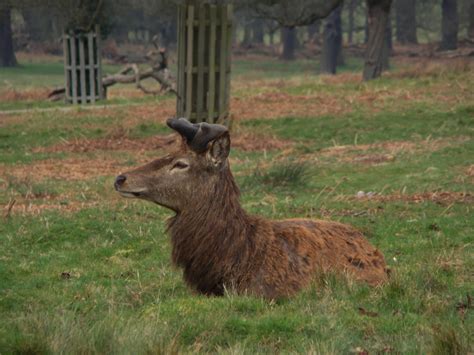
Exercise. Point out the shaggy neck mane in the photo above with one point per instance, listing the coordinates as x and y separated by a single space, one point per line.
212 237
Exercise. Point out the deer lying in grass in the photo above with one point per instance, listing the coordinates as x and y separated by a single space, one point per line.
218 245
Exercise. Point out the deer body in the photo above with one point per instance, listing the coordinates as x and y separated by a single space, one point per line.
218 245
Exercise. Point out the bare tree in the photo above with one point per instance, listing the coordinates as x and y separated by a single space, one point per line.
258 32
271 28
332 43
449 25
289 40
350 25
7 55
470 28
305 12
406 21
291 14
378 16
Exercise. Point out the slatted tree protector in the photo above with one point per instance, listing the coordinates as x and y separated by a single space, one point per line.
204 52
82 67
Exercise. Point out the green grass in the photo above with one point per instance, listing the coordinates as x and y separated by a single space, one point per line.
419 122
94 275
48 75
39 74
33 75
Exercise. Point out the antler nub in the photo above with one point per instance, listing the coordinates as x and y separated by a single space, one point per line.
197 135
183 127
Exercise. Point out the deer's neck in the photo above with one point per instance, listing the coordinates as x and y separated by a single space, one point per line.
211 238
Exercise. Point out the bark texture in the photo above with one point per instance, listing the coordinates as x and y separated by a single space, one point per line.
449 25
289 43
7 55
332 43
378 15
387 47
470 28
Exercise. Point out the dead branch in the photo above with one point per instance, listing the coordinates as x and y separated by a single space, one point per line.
131 74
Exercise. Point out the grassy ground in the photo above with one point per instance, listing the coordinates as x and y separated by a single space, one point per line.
83 270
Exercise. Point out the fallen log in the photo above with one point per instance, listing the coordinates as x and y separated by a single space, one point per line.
131 74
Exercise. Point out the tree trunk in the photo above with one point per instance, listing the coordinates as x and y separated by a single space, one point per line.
247 36
350 25
288 35
449 25
258 33
332 44
387 46
378 16
406 21
470 26
366 28
7 55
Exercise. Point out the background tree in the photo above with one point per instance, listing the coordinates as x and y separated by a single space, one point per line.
332 42
314 32
387 46
290 14
470 27
405 11
258 31
7 55
377 18
449 25
350 20
289 40
82 15
271 27
41 23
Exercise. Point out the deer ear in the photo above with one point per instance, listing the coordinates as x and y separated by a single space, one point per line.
218 150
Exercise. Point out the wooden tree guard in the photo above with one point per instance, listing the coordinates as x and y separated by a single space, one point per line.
204 49
82 67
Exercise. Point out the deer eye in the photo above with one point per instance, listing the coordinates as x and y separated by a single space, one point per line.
180 165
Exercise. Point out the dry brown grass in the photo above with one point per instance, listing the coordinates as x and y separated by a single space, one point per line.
118 140
28 207
377 153
64 169
37 56
30 94
271 105
342 78
112 142
470 171
440 197
431 67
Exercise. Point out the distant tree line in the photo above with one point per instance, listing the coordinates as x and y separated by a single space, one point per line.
328 23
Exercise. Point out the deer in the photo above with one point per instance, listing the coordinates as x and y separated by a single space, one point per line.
221 247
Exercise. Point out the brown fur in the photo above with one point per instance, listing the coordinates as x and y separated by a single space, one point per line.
218 245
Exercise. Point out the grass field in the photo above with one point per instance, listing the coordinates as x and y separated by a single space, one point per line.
83 270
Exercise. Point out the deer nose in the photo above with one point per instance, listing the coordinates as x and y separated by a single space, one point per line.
119 180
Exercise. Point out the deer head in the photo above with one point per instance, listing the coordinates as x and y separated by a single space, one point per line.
188 175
